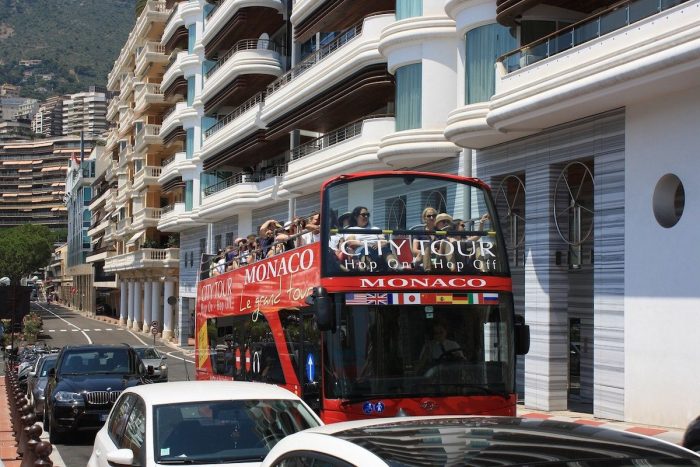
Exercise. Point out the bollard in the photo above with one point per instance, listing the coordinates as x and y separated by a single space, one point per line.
30 455
43 451
27 415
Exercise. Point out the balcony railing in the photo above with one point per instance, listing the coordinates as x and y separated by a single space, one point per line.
236 179
244 44
168 161
216 4
611 19
252 102
311 61
327 140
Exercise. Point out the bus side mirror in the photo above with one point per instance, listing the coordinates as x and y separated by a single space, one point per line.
522 335
322 310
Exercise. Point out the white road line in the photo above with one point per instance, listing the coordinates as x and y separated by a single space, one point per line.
67 322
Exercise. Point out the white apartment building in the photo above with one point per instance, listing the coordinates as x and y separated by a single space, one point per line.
580 115
86 112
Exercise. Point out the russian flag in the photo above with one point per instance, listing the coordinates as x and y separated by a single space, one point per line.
489 298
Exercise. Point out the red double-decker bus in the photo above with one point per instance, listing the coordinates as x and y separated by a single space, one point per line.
404 306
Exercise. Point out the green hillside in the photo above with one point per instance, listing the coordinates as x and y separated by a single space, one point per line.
76 40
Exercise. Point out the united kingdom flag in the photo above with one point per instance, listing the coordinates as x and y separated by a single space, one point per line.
377 299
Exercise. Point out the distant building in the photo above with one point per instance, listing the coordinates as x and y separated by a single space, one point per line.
29 63
48 121
11 107
85 111
9 90
33 178
15 130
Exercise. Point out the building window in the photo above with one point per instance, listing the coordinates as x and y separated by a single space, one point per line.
87 194
408 9
396 212
190 90
229 238
408 97
217 242
189 143
188 195
191 38
484 45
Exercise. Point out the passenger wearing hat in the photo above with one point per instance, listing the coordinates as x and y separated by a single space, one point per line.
443 221
267 235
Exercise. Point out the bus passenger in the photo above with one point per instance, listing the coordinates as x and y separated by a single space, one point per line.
313 229
372 245
421 243
267 236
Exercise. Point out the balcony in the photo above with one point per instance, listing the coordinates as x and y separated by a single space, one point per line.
171 216
241 191
126 120
147 94
303 8
100 200
147 136
113 108
152 258
181 115
151 21
111 171
242 121
183 15
185 64
353 50
174 166
151 53
340 151
227 9
145 177
126 155
256 57
103 255
123 227
101 227
638 50
145 218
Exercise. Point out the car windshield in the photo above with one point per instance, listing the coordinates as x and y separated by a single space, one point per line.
103 361
225 431
147 352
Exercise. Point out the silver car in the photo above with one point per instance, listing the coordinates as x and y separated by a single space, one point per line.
36 382
153 358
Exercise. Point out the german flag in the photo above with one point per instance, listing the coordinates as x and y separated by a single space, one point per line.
462 299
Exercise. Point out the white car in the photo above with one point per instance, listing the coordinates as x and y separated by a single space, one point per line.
474 441
199 422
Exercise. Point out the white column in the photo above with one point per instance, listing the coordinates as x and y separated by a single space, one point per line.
130 317
123 302
156 308
138 306
147 310
168 291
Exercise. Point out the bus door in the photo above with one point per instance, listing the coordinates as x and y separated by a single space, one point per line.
303 343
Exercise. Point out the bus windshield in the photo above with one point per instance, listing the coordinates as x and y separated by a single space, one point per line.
412 224
421 350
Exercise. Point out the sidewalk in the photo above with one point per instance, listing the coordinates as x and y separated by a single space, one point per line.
672 435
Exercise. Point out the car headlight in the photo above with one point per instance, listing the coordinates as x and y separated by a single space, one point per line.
163 367
65 396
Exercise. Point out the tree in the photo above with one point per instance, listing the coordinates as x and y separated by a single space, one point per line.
23 250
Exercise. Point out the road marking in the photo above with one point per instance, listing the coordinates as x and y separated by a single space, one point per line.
67 322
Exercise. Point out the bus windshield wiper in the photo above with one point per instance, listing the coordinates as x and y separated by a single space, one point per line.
183 461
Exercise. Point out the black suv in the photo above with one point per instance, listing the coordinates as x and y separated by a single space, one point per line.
85 384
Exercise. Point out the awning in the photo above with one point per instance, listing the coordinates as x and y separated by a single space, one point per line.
136 236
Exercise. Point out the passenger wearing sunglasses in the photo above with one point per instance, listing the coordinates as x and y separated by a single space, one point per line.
375 244
421 243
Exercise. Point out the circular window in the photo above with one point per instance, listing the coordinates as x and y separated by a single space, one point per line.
669 200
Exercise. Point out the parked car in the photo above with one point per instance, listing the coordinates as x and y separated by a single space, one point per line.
691 438
36 382
199 422
85 384
155 363
458 440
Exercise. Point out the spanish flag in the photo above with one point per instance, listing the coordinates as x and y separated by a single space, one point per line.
444 298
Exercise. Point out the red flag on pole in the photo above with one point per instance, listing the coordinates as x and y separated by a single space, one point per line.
74 160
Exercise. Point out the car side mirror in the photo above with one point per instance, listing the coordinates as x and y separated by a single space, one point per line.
322 309
522 335
121 457
52 373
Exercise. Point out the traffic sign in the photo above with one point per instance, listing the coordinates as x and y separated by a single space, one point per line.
310 368
154 324
154 330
